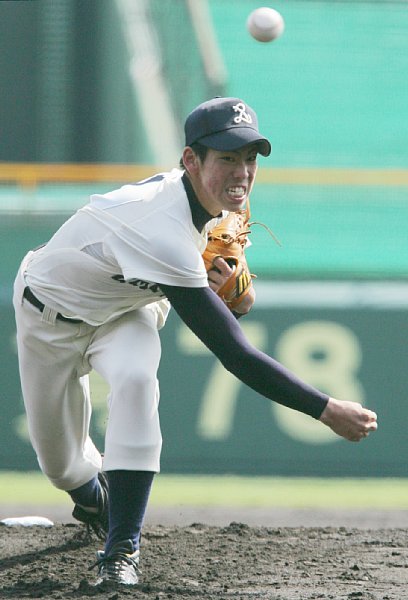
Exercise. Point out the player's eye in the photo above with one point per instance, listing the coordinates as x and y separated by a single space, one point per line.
252 153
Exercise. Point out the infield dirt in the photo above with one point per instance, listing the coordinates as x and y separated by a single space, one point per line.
205 562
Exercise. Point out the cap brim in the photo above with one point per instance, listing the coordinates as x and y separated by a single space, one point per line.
235 138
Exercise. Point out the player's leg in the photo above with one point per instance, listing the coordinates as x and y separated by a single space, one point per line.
56 394
127 354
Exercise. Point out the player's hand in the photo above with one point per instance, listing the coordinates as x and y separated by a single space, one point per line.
220 275
349 419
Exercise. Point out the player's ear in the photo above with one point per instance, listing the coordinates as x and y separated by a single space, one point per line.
190 160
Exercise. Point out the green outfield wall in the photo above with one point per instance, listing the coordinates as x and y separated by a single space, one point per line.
348 341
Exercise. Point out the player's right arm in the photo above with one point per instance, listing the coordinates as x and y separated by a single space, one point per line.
208 317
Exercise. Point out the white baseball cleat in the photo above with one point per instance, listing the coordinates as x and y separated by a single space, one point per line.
120 566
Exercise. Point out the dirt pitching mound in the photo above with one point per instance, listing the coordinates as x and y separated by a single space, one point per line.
205 562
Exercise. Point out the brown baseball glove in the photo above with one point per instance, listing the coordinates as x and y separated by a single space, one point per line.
228 240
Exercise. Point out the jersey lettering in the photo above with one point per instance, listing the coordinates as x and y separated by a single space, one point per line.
140 283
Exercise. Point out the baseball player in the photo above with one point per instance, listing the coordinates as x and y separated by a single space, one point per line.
95 297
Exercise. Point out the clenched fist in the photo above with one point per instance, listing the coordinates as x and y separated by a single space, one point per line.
349 419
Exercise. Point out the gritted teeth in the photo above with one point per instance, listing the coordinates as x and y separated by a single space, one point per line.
237 191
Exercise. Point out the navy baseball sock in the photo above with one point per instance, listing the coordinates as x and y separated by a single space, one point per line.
128 496
86 495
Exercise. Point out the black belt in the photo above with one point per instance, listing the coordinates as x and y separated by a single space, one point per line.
28 295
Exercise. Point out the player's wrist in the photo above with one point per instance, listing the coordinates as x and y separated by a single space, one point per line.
246 303
330 411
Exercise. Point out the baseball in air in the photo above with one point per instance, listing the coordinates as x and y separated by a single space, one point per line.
265 24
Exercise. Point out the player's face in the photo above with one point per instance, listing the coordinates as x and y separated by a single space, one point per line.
223 181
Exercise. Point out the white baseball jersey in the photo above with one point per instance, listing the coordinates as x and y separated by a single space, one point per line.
108 258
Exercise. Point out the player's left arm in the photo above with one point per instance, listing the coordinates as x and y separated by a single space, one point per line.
225 261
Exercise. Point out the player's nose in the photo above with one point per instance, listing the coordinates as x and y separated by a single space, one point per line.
241 169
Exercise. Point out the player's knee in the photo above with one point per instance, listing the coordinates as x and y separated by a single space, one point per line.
135 383
67 468
60 475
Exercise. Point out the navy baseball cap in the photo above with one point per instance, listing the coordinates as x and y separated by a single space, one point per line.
225 124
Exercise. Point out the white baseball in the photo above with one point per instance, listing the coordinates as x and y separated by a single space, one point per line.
265 24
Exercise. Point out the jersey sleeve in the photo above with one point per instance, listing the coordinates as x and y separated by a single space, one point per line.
207 316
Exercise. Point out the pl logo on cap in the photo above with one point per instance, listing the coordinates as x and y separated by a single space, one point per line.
243 115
